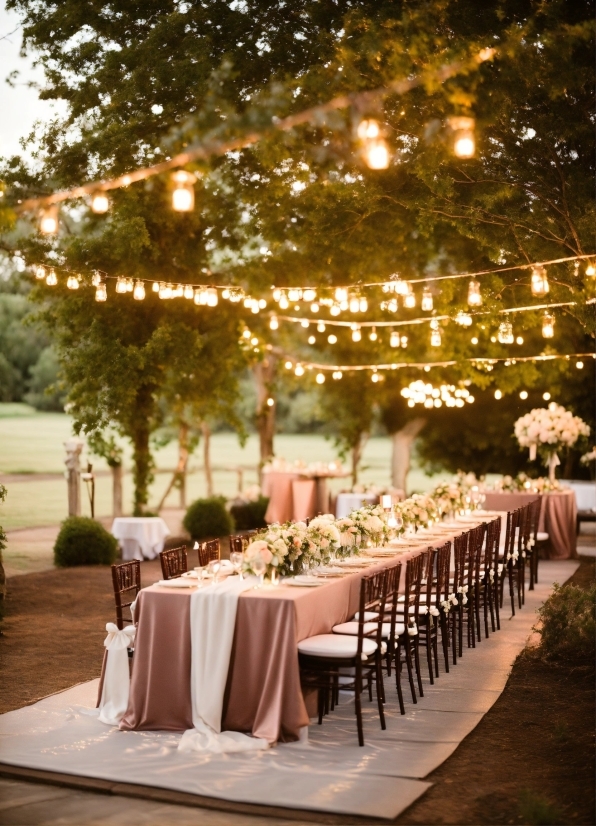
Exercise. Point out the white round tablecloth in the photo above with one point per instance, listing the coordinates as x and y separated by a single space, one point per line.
347 502
140 537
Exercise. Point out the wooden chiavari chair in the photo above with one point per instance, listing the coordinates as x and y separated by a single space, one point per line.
208 552
408 615
174 562
126 579
456 583
535 508
427 627
240 541
326 657
474 581
508 558
492 575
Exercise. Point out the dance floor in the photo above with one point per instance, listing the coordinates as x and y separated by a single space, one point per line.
328 773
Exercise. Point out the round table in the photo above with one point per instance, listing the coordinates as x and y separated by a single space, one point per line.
140 537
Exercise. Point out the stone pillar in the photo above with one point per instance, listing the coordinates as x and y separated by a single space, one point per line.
73 448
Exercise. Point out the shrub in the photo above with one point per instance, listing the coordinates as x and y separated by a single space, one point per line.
568 629
250 515
208 519
82 541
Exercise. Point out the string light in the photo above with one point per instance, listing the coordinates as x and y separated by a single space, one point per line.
546 396
156 287
579 365
505 334
426 304
183 193
394 339
523 395
305 323
539 281
410 298
270 402
419 392
374 148
40 272
435 335
273 323
548 325
337 374
121 286
51 278
101 292
139 291
320 378
498 395
48 223
376 377
356 334
373 334
312 340
100 203
590 270
464 141
332 339
72 282
404 341
299 371
320 327
474 294
463 319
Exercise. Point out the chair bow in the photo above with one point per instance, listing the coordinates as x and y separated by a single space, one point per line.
117 638
463 590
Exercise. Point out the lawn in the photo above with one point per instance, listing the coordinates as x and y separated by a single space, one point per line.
32 443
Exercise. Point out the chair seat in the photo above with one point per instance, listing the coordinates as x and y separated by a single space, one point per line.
351 628
541 536
369 616
335 645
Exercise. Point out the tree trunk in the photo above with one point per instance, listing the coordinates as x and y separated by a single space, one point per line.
207 457
264 373
402 445
142 459
182 461
117 490
357 451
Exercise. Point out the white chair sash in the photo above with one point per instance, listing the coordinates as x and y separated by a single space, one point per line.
116 681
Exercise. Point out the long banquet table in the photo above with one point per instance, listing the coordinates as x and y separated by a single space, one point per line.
263 694
557 517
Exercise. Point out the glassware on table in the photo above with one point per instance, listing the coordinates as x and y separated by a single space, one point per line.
236 558
213 567
259 567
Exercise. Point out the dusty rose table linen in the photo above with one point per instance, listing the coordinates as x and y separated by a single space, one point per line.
557 517
277 485
263 694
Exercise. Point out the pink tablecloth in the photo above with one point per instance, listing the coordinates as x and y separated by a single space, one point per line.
279 487
263 694
557 518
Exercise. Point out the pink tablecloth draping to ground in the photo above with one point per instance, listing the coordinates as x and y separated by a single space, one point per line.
277 485
557 517
263 694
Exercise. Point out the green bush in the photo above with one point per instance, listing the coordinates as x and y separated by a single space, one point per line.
82 541
250 515
208 519
568 628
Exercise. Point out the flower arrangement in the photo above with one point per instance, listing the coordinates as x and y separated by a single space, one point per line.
371 522
549 430
419 511
588 457
522 482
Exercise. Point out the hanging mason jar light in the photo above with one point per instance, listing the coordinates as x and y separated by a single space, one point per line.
410 297
426 304
373 334
394 339
435 335
72 282
403 342
48 223
374 148
309 295
548 325
474 294
212 297
539 280
505 333
183 192
40 272
101 292
121 285
356 333
294 295
354 304
464 141
95 278
273 323
51 278
463 319
139 291
590 270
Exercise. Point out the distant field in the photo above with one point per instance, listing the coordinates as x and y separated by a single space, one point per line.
32 443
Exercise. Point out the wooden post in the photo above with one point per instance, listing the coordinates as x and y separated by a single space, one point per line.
73 447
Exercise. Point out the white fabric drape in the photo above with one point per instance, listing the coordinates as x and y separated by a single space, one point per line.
212 622
116 683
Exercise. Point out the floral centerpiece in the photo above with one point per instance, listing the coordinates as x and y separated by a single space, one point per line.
324 539
419 511
349 536
371 522
523 482
549 430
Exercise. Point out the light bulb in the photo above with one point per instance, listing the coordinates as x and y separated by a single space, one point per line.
139 291
312 340
273 323
48 223
288 365
40 272
335 310
505 333
337 374
254 341
320 327
523 395
100 203
394 339
498 394
51 278
270 402
375 377
539 281
548 325
373 334
262 303
305 323
320 378
354 304
309 295
189 292
72 282
374 147
212 297
404 342
155 287
546 396
130 286
277 294
410 298
299 371
474 294
519 340
254 306
591 270
427 301
332 339
183 193
363 305
283 303
121 285
356 334
314 308
101 293
294 295
579 365
435 338
463 319
341 294
464 142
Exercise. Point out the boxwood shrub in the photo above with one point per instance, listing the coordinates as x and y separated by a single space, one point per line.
83 541
568 627
249 516
208 519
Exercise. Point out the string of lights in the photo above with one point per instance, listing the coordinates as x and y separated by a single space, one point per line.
369 132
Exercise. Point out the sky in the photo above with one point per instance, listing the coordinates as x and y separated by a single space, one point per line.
20 106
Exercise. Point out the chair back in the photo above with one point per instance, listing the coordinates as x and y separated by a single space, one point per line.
208 551
491 547
392 582
535 508
442 566
126 579
373 594
240 541
460 559
413 584
476 552
174 562
511 533
428 585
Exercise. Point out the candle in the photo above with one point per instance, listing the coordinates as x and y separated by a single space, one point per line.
386 502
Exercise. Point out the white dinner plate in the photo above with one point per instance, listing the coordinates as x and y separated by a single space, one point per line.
305 581
178 583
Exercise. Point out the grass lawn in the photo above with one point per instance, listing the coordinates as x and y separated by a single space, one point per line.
31 443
